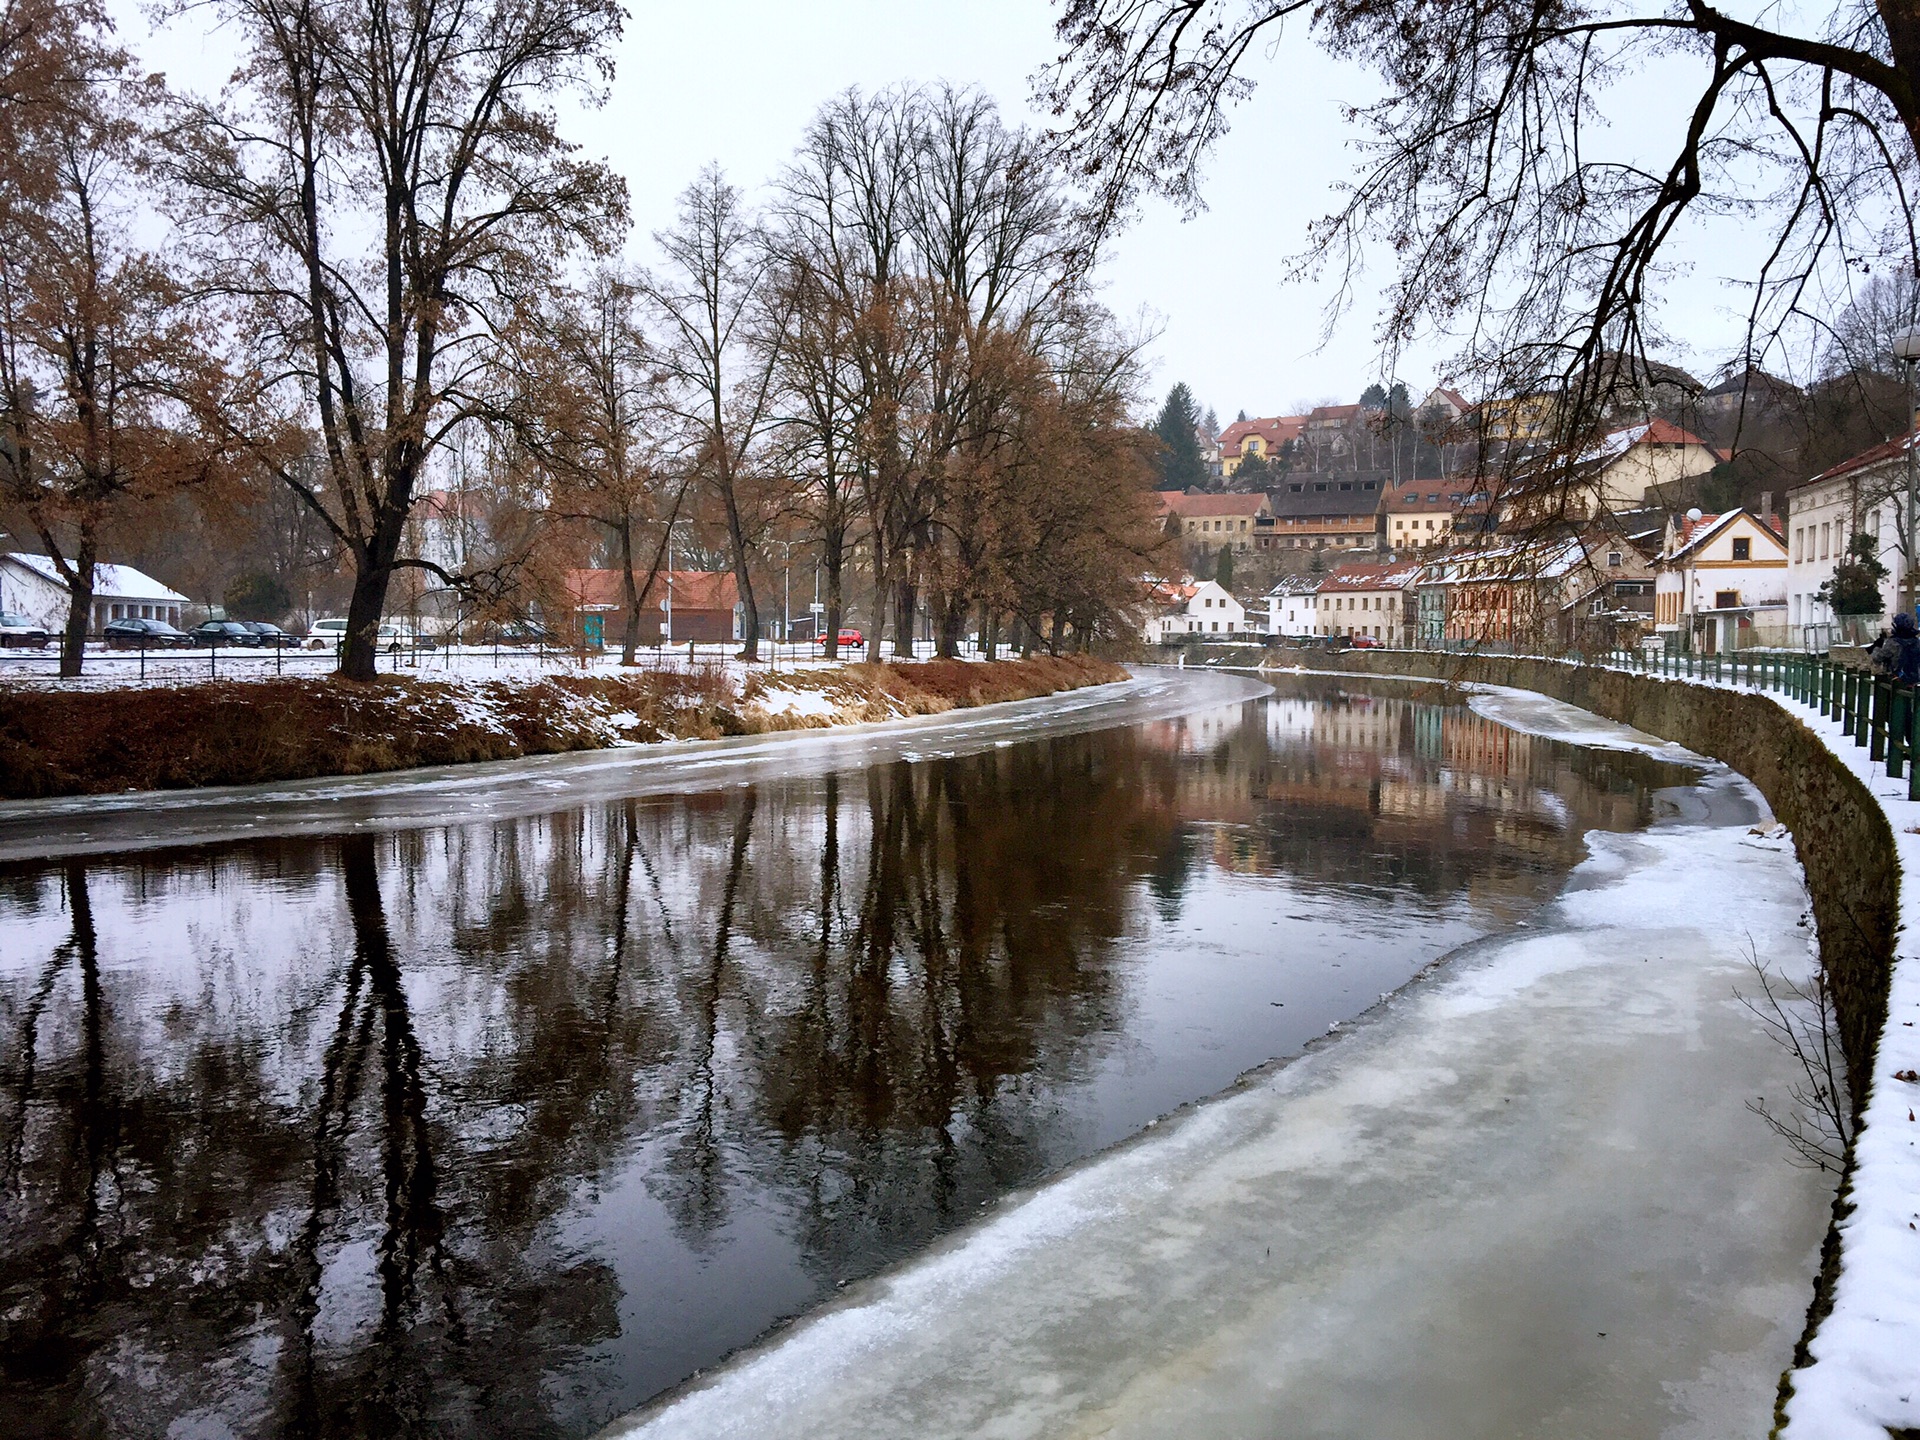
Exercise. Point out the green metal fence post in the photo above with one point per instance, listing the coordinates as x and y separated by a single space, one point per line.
1877 719
1897 726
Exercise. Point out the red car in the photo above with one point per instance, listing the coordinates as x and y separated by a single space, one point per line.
1366 642
847 639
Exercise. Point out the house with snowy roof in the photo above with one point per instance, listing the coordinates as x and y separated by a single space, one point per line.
1624 470
1371 600
31 585
1720 582
1291 606
1188 609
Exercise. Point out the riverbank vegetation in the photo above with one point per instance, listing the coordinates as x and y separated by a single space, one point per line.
85 742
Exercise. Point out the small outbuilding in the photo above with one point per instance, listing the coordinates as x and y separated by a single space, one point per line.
31 585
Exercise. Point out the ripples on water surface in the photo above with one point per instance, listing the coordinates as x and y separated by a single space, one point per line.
501 1129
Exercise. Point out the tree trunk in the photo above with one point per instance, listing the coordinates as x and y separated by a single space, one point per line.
737 543
630 633
989 632
73 642
834 558
906 597
372 575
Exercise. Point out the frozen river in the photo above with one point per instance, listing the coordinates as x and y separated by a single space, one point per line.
499 1101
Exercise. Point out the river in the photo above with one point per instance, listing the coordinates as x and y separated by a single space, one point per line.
514 1099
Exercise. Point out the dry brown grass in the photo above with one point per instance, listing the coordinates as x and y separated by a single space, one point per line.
55 742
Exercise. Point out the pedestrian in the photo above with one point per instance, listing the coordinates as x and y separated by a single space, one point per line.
1906 648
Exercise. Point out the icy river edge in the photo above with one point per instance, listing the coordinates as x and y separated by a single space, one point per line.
1524 1196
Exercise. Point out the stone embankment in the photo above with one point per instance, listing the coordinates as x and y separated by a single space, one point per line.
57 742
1855 1371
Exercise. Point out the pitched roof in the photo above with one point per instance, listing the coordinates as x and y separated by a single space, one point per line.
1325 496
692 589
1425 497
110 582
1690 534
1892 449
1275 430
1295 585
1371 577
1616 443
1211 504
1331 414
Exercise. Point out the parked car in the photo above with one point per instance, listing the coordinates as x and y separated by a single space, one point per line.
142 635
209 633
270 635
1366 642
525 632
18 632
846 640
331 633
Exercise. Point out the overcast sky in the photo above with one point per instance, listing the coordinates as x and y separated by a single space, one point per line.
734 81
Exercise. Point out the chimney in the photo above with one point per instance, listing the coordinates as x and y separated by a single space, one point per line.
1766 505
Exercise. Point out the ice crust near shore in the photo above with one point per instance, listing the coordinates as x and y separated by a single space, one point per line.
1524 1197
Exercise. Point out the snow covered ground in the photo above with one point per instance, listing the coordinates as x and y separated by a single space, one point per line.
1523 1197
118 669
1865 1379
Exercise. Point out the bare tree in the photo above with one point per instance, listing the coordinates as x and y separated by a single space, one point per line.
104 369
1485 173
380 187
589 400
719 345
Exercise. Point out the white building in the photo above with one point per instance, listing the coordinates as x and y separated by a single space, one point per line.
1372 600
1290 606
1721 582
30 585
1193 608
1861 496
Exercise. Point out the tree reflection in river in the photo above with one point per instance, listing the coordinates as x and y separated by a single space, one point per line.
498 1129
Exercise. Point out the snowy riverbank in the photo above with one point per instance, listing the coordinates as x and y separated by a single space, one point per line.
104 739
1525 1196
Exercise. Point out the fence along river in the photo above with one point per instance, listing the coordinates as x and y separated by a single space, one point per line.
501 1128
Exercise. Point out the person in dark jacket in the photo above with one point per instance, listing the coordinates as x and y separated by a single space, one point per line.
1905 659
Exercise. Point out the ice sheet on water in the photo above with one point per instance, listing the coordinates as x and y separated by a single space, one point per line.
1419 1229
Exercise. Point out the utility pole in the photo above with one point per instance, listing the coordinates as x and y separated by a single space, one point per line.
1906 349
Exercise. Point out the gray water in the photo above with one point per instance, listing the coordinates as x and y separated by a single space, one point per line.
501 1127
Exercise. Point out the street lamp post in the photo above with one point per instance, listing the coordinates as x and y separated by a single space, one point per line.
1906 349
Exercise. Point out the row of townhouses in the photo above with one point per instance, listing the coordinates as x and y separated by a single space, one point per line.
1715 582
1454 561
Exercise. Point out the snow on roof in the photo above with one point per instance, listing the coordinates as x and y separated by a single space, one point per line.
1371 577
1655 432
1295 585
1690 534
110 582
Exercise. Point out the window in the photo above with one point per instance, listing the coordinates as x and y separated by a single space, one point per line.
1742 548
1823 540
1726 599
1613 559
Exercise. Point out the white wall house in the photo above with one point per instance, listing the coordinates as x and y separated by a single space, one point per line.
1372 600
1291 606
1177 611
30 585
1721 582
1860 496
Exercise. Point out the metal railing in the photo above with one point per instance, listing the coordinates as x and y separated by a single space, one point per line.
1876 711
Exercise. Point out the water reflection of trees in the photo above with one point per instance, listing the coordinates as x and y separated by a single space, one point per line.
306 1135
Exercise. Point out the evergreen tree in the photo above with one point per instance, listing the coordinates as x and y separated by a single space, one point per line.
1177 430
1855 586
1223 568
1373 398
